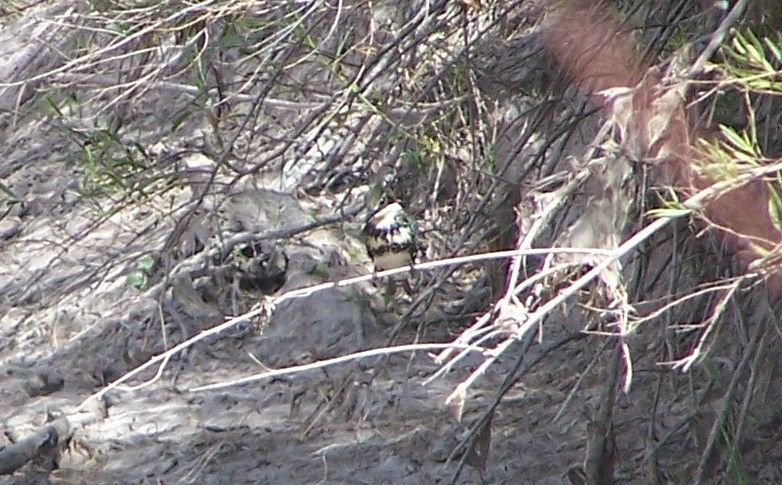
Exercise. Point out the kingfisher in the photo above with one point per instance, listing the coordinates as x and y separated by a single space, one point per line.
390 238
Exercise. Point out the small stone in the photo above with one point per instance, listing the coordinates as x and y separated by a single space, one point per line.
10 227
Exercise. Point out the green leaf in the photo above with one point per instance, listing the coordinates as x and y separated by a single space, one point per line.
733 136
739 43
755 49
231 40
741 145
774 48
7 191
731 53
775 206
320 270
137 279
53 105
179 120
145 264
669 213
773 211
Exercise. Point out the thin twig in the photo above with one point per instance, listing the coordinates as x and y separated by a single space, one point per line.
297 369
737 376
693 203
717 38
301 293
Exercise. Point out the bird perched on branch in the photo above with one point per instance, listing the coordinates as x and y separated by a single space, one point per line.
390 238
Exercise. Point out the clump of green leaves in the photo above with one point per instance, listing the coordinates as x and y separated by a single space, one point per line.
753 62
139 277
671 208
109 164
751 67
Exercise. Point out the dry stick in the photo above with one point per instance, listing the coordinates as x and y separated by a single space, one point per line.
558 197
652 465
478 328
304 292
421 109
146 29
520 367
186 267
579 381
749 352
686 362
599 453
320 364
43 442
749 392
678 301
693 203
680 423
717 38
525 240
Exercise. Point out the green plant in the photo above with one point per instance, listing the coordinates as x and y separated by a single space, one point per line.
139 277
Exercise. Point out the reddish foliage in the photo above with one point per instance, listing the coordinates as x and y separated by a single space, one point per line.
597 52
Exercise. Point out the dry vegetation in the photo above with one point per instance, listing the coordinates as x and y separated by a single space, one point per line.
185 298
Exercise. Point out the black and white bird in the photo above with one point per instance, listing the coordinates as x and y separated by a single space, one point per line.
390 238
